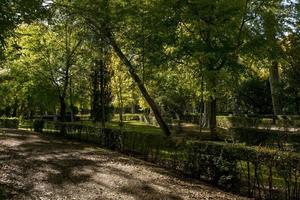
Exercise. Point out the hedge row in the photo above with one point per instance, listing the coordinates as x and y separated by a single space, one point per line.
259 172
9 122
249 122
254 122
283 140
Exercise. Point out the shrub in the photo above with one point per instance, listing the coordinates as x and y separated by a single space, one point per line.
9 122
274 138
132 117
253 122
38 125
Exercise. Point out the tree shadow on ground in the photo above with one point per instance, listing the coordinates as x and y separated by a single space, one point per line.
61 164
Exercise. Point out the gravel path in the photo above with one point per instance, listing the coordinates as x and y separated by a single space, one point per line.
39 167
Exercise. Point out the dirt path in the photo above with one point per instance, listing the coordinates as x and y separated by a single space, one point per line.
39 167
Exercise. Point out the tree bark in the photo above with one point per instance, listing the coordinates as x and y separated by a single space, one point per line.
140 84
62 108
120 104
212 107
95 91
102 93
205 119
71 101
297 103
275 88
213 118
271 24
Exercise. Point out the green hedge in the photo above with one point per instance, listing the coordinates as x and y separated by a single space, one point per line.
249 122
38 125
252 122
9 122
255 171
259 172
129 117
263 137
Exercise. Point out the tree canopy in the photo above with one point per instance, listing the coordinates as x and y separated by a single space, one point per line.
168 58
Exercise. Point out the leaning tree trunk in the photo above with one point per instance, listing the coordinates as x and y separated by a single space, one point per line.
140 84
275 88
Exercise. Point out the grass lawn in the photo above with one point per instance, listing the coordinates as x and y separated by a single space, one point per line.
135 126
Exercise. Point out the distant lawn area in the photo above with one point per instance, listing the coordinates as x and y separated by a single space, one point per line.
133 125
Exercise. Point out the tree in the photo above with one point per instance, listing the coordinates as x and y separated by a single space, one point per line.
211 34
101 94
104 23
14 12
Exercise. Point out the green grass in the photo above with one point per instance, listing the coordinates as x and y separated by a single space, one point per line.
135 126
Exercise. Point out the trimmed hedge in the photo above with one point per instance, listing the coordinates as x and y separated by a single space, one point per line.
263 137
254 122
249 122
255 171
38 125
9 122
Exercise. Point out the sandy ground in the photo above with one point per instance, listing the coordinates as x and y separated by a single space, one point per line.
43 167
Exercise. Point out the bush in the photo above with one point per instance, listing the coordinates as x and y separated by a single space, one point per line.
262 172
253 122
9 122
38 125
263 137
132 117
209 163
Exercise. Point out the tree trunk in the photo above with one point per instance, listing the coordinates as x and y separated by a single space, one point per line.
15 109
297 102
212 107
275 88
271 25
213 118
62 108
205 114
102 65
120 105
140 84
71 101
95 92
133 104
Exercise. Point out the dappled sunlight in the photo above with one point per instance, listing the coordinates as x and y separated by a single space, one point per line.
45 167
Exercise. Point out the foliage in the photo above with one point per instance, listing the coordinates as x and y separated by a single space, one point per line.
9 122
274 138
253 97
38 125
14 12
282 122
